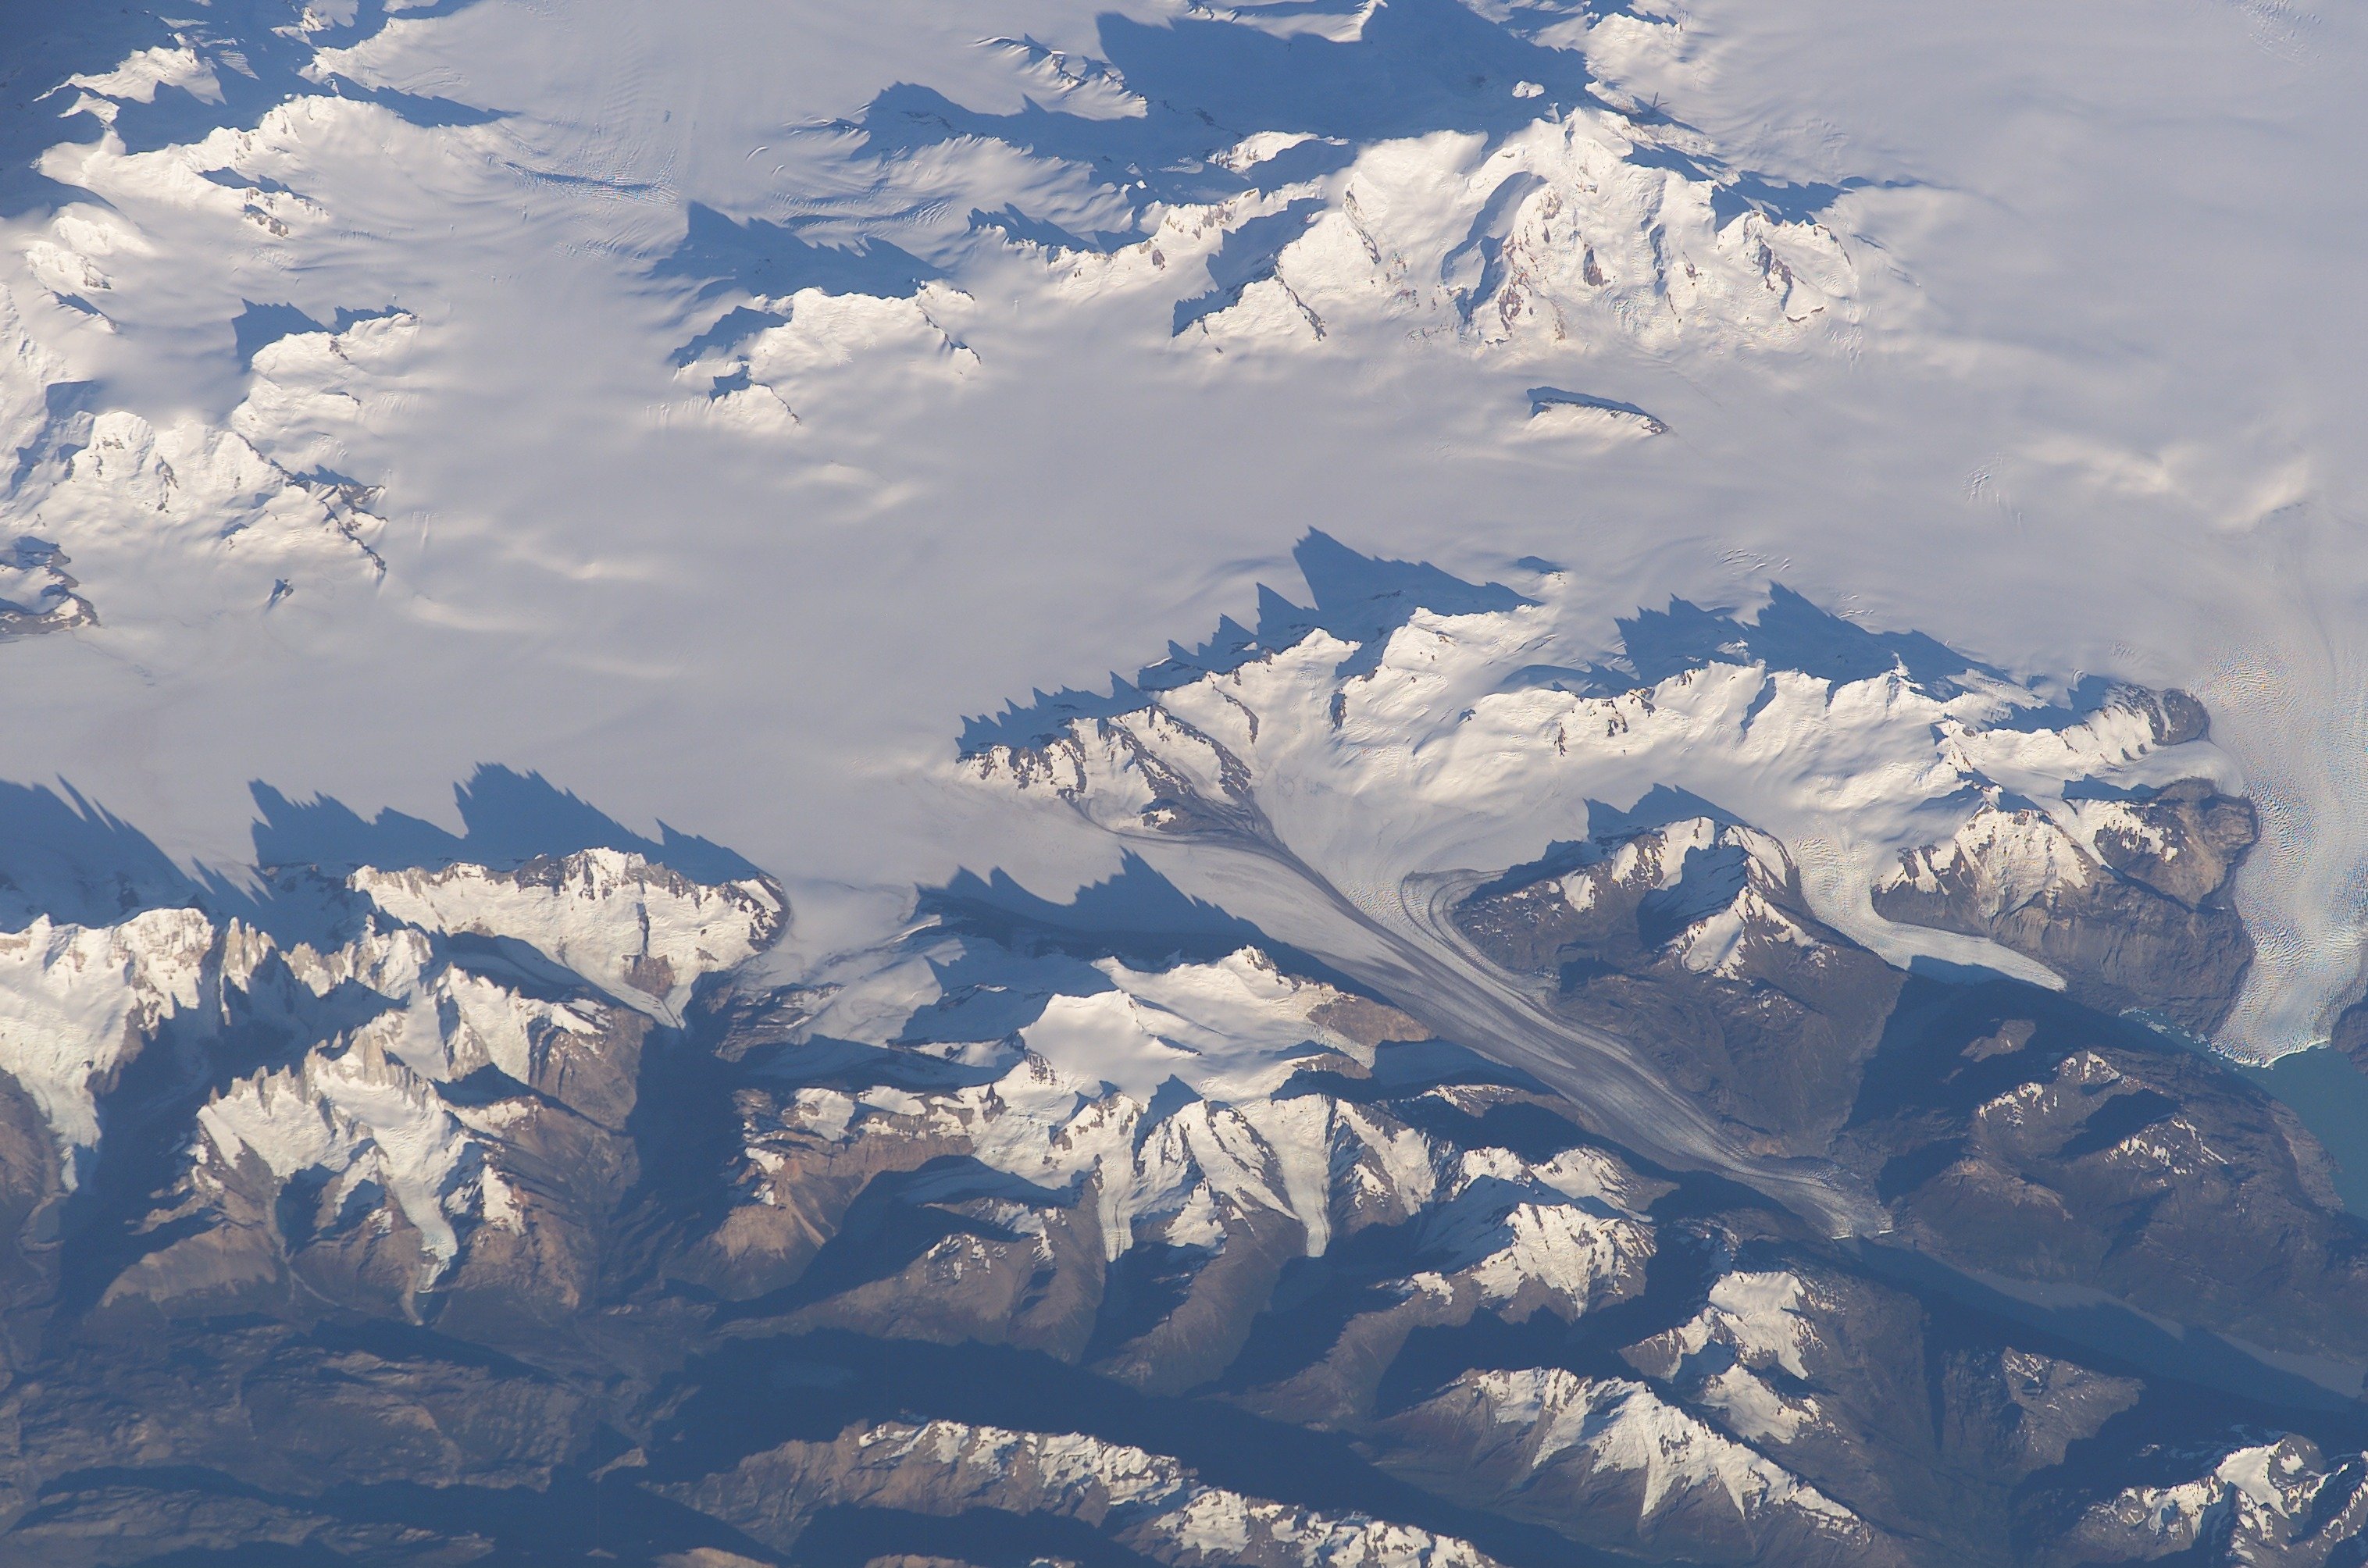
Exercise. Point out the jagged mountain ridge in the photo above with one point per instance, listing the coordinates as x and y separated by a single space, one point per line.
1043 1231
1723 1097
1371 754
1229 181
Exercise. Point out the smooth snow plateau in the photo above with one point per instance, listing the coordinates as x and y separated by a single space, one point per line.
424 352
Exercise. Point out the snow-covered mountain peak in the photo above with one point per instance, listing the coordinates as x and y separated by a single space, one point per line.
1462 1071
1445 740
1226 1030
189 518
1147 1499
646 933
2268 1498
382 1075
1426 178
80 999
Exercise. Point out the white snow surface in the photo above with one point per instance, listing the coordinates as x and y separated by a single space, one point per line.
1615 1424
74 1001
1345 797
1141 1491
2031 330
1181 1170
1221 1028
1759 1316
1442 759
643 933
359 1105
359 1116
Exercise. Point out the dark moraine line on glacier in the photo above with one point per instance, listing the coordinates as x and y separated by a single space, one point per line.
1598 1071
1432 974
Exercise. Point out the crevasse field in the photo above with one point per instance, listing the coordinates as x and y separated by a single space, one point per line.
723 409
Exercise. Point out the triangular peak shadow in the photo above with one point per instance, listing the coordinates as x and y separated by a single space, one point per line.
1409 69
774 259
1246 255
1358 598
2082 697
508 818
259 325
1341 74
255 63
66 857
1134 914
1655 808
1362 600
1048 713
1359 75
1789 633
990 992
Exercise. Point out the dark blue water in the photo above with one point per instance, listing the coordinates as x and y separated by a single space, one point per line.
2330 1095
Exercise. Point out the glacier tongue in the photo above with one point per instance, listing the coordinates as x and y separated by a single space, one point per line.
1442 755
1135 1153
1369 777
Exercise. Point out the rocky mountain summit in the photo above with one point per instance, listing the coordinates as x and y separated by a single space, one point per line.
1442 1071
1825 1168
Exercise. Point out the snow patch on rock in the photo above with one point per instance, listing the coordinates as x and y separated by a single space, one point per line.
1439 747
1613 1425
643 932
1144 1499
2277 1500
76 1002
1159 1094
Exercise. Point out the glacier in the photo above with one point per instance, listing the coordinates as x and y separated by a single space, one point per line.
860 399
639 909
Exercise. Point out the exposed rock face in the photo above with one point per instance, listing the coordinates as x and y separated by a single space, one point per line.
645 934
2015 1413
2175 716
36 595
2002 1128
2130 919
1695 941
1148 1505
991 1245
1142 1232
1637 1203
2349 1034
2022 1136
1290 1232
1549 1443
2184 842
2274 1501
405 1107
2050 1147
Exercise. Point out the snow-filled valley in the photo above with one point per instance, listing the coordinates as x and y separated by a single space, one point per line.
1306 781
777 387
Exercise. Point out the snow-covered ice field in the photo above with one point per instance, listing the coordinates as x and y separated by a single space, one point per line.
713 407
